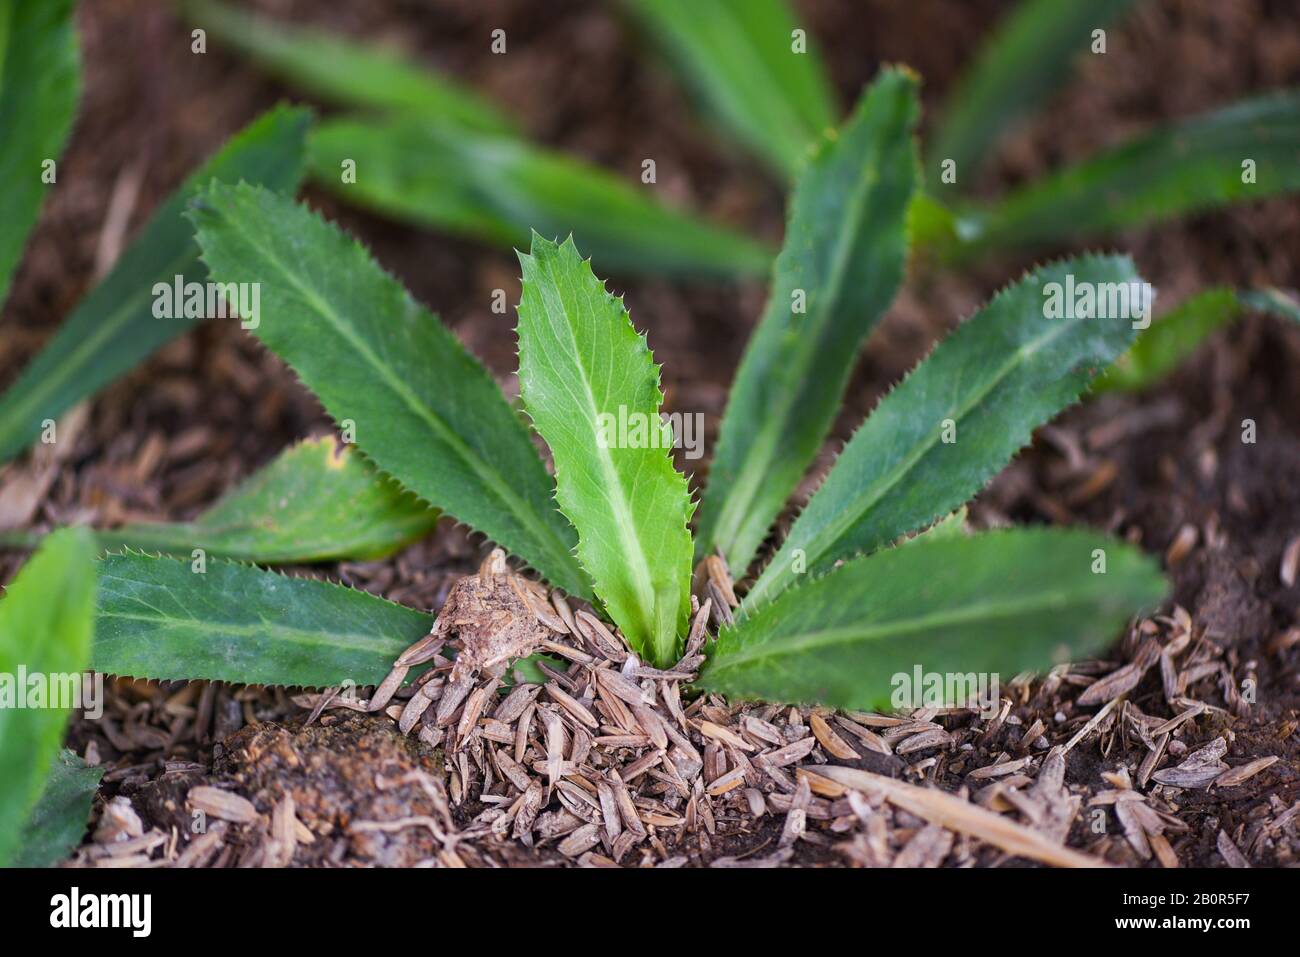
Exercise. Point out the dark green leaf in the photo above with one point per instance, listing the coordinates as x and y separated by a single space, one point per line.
739 58
1003 373
1189 166
46 618
992 604
114 328
497 188
1015 71
841 264
424 410
159 618
40 79
592 388
58 821
343 71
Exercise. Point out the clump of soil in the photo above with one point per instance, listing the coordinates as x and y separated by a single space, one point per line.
361 792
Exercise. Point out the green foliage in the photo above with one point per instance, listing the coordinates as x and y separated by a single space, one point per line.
1276 301
997 602
159 618
738 56
318 501
1183 168
1005 371
114 327
1176 335
584 372
841 264
46 619
424 410
430 417
345 72
1170 340
40 80
1017 69
58 821
497 188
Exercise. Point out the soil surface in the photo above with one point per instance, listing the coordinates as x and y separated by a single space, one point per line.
1167 469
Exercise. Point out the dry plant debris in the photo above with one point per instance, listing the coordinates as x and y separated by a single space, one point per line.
605 764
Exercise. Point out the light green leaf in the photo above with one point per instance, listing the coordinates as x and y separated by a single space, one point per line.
497 188
739 57
992 604
157 618
319 501
343 71
841 265
114 328
950 526
46 618
58 821
40 81
1189 166
1176 335
1016 70
424 410
1170 340
952 424
592 388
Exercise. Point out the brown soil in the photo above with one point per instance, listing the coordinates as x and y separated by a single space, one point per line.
212 407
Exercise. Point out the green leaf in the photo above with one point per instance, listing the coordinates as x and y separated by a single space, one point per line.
40 81
1276 301
996 603
497 188
1016 70
1176 335
738 57
114 328
1003 373
46 618
424 410
950 526
842 263
1170 340
319 501
1189 166
58 821
158 618
343 71
592 388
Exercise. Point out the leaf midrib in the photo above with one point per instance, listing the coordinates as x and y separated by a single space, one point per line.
964 614
850 516
757 460
299 637
515 505
628 529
